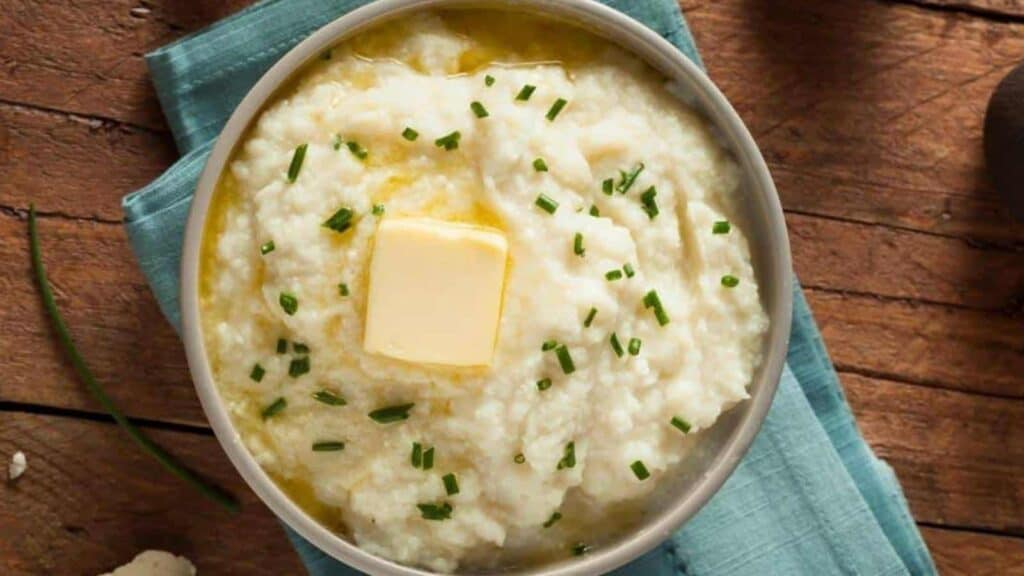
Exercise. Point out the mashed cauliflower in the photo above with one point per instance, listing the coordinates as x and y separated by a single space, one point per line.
537 470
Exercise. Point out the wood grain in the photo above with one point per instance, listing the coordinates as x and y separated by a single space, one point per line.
959 553
90 501
996 9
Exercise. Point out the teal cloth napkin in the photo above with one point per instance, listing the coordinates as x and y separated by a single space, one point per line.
809 498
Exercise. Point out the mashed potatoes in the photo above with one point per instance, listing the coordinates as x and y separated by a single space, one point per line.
639 271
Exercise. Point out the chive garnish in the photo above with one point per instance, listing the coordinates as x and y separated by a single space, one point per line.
478 109
267 247
525 92
650 205
298 366
721 227
613 275
579 549
640 470
626 179
546 203
651 300
681 424
540 165
410 134
488 80
329 398
337 141
634 346
608 186
519 458
391 413
417 455
340 221
140 439
543 384
577 245
565 360
274 408
343 289
628 269
549 345
289 303
296 165
282 345
594 211
730 281
451 484
569 459
555 109
300 348
377 210
428 458
257 373
435 511
555 517
328 446
356 149
449 141
590 318
616 345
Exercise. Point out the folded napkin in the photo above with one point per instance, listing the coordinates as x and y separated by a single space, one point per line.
809 498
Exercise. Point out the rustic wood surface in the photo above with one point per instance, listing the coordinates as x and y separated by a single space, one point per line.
869 113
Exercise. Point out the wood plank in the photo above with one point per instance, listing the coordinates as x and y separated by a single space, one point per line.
959 553
957 455
973 351
90 501
998 9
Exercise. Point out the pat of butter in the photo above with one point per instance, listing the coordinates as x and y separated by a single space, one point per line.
435 291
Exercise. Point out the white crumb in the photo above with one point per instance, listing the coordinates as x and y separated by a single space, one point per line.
139 12
156 563
17 466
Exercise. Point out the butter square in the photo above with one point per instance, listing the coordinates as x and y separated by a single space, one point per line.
435 291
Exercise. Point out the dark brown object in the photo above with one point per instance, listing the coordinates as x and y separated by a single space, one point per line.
869 113
1004 140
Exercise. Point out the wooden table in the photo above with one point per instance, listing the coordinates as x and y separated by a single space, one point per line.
869 113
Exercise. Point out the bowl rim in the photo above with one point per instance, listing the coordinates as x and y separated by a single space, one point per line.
648 45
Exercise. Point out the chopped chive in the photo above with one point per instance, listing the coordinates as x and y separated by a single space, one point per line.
590 318
730 281
451 484
577 245
298 366
428 458
289 303
608 186
519 458
628 269
300 348
555 109
626 179
328 446
721 227
296 165
340 221
651 300
525 92
555 517
417 455
274 408
579 549
594 211
449 141
613 275
565 360
543 384
337 141
356 149
326 54
650 205
616 345
343 289
257 373
377 210
569 458
435 511
681 424
329 398
410 134
478 109
540 165
634 346
267 247
549 345
488 80
282 345
391 413
640 470
546 203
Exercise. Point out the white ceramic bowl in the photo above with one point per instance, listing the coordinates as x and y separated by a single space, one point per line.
720 447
